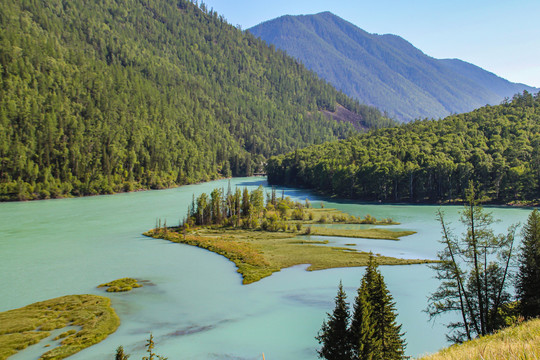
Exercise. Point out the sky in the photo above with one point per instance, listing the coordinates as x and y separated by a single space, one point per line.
500 36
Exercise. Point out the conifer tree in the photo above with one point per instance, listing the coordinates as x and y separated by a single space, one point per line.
387 330
334 335
245 203
387 342
364 344
528 284
474 270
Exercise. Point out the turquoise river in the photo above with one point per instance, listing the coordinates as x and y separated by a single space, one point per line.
196 306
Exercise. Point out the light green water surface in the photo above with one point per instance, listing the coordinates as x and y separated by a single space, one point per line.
196 306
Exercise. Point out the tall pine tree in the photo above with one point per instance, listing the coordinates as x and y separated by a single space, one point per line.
528 284
387 338
334 335
365 345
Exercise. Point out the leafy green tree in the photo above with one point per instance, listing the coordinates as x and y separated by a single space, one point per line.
528 280
474 271
334 335
203 210
257 200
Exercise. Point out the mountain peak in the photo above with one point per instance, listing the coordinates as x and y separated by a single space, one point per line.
325 13
386 70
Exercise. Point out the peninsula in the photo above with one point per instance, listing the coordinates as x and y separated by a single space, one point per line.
261 239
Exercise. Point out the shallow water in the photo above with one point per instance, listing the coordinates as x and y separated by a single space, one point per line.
197 307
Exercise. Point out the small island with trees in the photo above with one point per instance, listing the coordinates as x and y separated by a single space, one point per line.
262 236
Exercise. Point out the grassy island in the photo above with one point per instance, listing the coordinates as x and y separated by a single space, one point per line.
121 285
93 316
262 239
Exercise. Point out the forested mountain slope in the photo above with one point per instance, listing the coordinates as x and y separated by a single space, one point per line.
111 95
498 147
385 70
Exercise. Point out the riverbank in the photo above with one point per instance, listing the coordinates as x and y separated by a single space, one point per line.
330 197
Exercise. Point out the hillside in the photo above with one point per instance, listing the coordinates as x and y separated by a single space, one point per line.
106 96
498 147
385 70
517 342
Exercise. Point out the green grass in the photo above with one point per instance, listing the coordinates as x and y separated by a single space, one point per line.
381 234
121 285
258 254
521 342
335 216
28 325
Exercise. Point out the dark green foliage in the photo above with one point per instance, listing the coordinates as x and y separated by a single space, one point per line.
385 70
106 96
474 272
334 335
243 209
528 284
496 146
374 331
364 342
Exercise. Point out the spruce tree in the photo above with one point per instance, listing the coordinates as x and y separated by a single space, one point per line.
387 330
528 284
334 335
365 345
386 341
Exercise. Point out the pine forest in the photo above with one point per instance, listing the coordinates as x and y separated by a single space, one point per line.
497 147
108 96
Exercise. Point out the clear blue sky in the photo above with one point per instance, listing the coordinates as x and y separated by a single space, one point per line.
500 36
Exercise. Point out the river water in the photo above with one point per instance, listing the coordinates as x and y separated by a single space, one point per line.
196 306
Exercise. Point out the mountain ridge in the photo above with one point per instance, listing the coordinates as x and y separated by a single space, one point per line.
385 70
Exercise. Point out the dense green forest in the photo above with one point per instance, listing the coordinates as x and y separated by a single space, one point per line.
115 95
497 147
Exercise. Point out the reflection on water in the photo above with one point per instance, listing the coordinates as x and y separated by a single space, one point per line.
197 308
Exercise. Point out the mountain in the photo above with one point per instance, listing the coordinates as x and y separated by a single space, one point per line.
497 147
115 95
385 70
